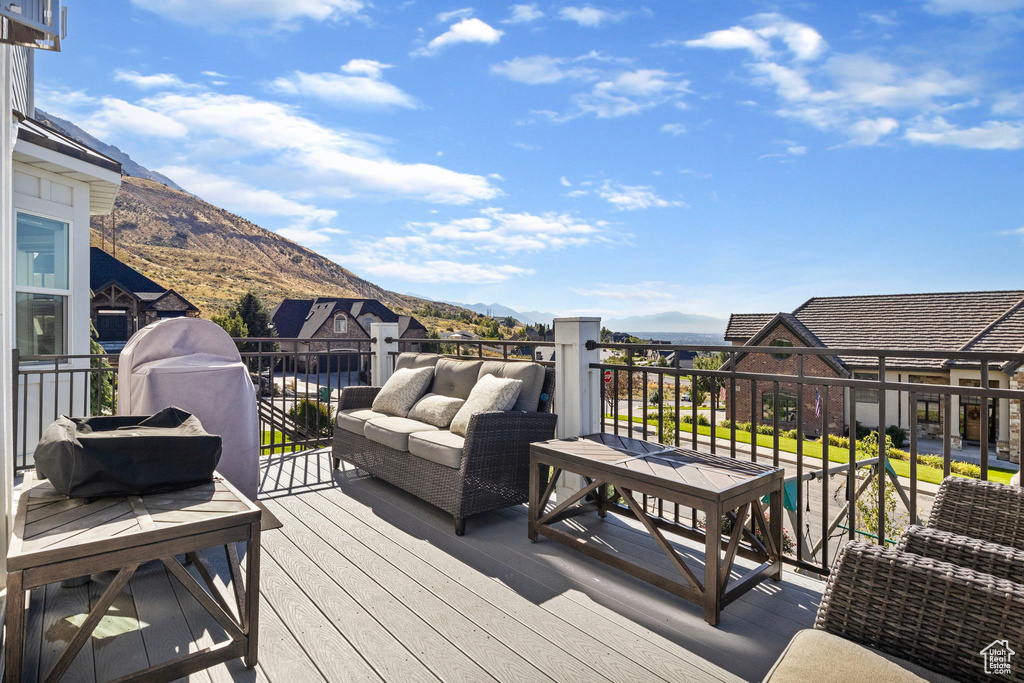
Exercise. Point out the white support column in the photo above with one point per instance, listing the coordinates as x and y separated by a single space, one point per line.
7 378
577 386
380 364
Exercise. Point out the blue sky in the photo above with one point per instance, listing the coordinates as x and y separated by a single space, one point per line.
611 158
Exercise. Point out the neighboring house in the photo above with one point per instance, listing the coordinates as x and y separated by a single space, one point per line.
954 321
49 187
338 324
124 300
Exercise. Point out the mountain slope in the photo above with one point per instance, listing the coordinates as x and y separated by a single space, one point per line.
211 256
128 165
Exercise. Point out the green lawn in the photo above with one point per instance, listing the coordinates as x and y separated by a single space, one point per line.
812 449
268 438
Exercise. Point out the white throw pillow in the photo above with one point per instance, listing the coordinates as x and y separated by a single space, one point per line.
402 390
489 394
435 409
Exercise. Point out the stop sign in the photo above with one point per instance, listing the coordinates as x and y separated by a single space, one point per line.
607 376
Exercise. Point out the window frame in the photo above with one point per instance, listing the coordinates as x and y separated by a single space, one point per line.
65 294
869 396
787 406
344 318
781 342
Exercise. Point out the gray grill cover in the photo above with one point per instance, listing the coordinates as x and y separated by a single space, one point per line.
85 457
193 364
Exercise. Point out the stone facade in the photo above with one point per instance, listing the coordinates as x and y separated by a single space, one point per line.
814 366
1014 446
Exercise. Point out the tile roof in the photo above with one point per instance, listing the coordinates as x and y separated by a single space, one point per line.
288 317
104 269
743 326
301 318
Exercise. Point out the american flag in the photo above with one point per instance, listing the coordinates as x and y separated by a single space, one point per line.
817 402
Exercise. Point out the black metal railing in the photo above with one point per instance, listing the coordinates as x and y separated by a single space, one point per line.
493 349
801 402
298 386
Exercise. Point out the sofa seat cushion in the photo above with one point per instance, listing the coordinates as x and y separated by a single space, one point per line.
490 394
441 447
435 409
402 390
531 374
455 378
819 656
394 432
353 419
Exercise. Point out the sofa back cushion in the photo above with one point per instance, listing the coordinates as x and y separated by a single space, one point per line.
415 360
455 378
490 394
531 375
402 390
435 409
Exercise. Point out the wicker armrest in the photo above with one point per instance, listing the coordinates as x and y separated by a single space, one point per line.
1002 561
501 439
357 397
933 613
980 509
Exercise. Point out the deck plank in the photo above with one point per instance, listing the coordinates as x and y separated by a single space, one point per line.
347 591
118 648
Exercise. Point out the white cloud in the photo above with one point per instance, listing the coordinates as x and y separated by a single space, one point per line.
522 14
464 13
542 69
631 92
633 197
218 15
1008 103
988 135
367 89
433 271
466 31
113 115
589 16
214 74
639 291
870 131
330 161
802 41
674 129
565 182
977 6
151 82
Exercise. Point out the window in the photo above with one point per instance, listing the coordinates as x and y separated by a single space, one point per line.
787 406
340 324
41 285
865 395
367 321
928 409
783 343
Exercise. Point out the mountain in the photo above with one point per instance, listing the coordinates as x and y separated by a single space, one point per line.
128 165
669 321
501 311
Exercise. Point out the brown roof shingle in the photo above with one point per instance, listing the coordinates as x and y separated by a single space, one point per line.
743 326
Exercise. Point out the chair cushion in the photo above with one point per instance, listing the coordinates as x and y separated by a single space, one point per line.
415 360
436 410
490 393
531 374
394 432
442 447
353 419
455 378
822 657
402 390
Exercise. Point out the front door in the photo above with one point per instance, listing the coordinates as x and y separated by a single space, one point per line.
112 325
972 422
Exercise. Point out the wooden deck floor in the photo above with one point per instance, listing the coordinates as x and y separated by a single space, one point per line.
364 582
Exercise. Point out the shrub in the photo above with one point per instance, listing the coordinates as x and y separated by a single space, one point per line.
897 434
702 420
765 429
788 434
840 441
313 415
861 431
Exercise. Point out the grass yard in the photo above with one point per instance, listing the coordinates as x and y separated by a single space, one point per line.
812 449
268 438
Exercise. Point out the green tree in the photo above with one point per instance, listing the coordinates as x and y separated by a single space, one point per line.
702 384
101 384
232 323
255 315
509 322
606 335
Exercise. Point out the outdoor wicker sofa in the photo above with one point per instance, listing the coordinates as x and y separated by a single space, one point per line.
486 470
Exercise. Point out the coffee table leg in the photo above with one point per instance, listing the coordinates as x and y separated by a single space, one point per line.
712 565
252 594
15 625
534 510
775 525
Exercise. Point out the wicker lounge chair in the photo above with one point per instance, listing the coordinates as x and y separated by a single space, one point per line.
487 470
897 616
981 509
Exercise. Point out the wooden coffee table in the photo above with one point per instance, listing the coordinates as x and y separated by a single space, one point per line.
614 467
57 538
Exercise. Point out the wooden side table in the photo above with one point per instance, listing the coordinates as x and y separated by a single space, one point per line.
57 538
718 487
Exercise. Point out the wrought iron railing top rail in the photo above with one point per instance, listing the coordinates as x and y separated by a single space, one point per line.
786 416
463 348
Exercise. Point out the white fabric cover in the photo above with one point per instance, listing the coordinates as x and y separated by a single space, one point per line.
490 393
194 365
402 390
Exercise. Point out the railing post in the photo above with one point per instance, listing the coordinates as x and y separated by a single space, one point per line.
380 360
577 387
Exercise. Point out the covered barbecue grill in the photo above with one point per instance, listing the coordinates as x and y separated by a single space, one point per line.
194 365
